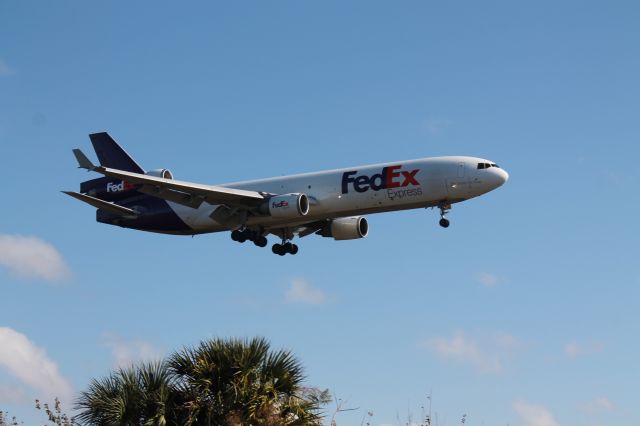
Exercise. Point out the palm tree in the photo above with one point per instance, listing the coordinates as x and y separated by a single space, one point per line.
219 382
138 395
243 382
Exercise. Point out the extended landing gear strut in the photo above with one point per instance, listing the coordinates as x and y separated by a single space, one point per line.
287 246
260 240
249 235
444 209
284 248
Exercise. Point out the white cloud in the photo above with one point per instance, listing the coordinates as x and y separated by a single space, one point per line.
575 349
6 69
604 403
488 358
30 365
487 279
534 415
597 405
572 349
300 291
128 352
507 342
31 257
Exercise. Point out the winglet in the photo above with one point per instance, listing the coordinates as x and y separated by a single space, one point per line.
83 161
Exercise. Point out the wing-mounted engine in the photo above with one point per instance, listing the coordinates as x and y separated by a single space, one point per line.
286 206
346 228
161 173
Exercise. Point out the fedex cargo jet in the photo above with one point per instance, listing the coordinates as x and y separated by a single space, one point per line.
330 203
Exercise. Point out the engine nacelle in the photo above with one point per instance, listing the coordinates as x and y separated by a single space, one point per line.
161 173
287 206
346 228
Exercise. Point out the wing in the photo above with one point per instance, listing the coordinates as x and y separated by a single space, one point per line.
186 193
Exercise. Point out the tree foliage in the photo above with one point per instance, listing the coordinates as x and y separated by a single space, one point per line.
219 382
55 416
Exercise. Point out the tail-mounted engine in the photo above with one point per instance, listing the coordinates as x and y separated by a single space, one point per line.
161 173
346 228
286 206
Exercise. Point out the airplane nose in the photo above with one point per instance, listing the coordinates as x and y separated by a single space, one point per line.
504 176
499 177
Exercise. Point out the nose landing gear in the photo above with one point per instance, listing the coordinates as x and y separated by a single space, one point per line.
444 209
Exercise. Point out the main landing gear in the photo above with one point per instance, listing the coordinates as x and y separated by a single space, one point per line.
261 241
444 209
284 248
248 235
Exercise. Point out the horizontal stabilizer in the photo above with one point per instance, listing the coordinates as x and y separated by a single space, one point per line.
83 161
102 205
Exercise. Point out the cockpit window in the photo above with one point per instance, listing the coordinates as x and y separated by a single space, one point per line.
486 165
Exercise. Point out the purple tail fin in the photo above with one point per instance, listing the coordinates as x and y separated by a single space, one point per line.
112 155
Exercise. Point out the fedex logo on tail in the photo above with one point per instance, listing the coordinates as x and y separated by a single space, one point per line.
390 177
119 187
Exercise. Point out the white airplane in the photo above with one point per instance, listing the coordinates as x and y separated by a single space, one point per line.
328 203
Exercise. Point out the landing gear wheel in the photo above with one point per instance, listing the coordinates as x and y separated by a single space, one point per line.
282 249
235 235
278 249
444 209
260 241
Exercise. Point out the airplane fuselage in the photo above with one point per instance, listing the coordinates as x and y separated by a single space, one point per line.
361 190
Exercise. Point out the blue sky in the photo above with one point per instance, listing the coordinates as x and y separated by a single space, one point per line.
523 312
